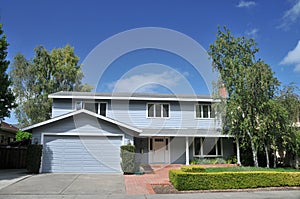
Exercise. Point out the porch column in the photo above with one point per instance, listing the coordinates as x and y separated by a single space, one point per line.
238 152
187 154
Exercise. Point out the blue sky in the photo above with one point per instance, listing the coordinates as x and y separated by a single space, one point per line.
275 25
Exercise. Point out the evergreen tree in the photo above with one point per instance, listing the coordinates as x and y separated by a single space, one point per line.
6 96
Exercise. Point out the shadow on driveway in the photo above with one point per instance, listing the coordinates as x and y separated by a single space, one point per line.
10 176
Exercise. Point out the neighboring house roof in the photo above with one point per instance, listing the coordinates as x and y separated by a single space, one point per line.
8 127
120 124
131 96
183 132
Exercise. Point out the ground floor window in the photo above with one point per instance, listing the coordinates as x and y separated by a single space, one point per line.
207 147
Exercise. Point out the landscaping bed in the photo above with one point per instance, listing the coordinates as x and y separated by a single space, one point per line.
199 178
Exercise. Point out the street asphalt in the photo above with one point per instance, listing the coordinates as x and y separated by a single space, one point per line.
88 186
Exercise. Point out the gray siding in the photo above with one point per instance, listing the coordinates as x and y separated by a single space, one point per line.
96 149
81 123
61 107
182 115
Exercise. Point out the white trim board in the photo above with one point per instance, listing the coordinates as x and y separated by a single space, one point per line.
87 97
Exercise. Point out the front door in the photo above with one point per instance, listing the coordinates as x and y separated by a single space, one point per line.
160 152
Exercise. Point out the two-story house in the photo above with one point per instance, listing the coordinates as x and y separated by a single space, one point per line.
87 129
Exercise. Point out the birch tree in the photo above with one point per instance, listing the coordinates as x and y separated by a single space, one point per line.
249 82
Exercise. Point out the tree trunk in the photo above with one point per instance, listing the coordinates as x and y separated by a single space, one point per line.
267 156
274 159
254 151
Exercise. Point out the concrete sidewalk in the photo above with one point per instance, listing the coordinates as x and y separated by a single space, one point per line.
227 195
10 176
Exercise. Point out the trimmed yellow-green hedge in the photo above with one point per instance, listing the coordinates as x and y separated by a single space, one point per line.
193 169
232 180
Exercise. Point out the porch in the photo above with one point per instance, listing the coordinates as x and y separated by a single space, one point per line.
181 150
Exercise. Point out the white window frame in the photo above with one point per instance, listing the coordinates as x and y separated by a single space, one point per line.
201 149
161 110
201 111
79 103
89 102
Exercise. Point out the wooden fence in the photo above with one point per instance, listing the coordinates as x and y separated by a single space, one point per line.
13 158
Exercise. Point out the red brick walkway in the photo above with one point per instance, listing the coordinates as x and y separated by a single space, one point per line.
141 184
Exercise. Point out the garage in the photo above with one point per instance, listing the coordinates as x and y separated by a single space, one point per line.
81 154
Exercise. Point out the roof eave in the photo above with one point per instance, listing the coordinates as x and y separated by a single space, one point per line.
134 98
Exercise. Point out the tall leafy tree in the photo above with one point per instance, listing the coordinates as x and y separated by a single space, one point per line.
289 98
250 84
6 96
290 101
46 73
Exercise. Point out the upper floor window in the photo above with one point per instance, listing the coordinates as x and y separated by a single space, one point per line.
157 110
204 111
96 107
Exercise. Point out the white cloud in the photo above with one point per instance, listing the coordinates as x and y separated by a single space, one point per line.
252 33
290 16
149 82
297 68
246 4
293 57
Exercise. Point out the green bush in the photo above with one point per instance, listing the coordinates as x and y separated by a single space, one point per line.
21 135
208 161
250 169
203 161
232 180
128 158
218 161
192 169
34 154
232 160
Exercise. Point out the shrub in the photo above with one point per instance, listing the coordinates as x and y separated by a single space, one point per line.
218 161
208 161
128 158
34 154
232 180
21 135
194 161
192 169
232 160
203 161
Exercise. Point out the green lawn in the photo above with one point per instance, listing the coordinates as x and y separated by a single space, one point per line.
233 169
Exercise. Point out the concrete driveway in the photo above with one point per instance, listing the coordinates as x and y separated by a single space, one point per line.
10 176
67 184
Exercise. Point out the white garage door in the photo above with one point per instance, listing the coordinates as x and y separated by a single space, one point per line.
86 154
